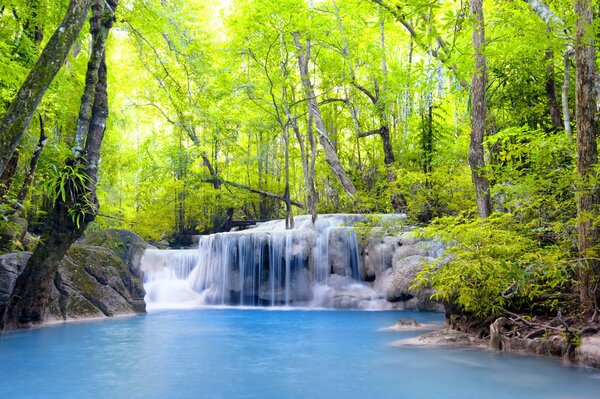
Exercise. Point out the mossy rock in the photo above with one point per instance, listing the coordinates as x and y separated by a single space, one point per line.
126 244
100 276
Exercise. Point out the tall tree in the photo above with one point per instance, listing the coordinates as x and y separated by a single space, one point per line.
315 113
75 204
19 113
476 152
588 194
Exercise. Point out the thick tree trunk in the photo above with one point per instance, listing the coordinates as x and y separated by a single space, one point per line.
27 303
587 154
313 110
34 162
476 152
19 113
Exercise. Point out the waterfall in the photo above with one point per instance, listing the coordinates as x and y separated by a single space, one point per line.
309 266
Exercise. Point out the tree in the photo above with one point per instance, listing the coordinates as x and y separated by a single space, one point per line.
478 84
17 117
74 193
588 193
315 113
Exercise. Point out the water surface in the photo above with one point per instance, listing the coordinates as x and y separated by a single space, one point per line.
240 353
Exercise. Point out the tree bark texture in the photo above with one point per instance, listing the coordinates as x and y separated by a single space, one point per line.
32 289
19 113
313 110
309 180
565 94
476 152
553 107
587 153
6 178
34 162
27 303
91 77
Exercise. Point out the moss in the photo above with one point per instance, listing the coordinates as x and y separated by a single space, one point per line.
81 307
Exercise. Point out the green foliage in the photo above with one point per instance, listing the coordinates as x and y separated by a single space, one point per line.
445 191
70 186
494 265
533 174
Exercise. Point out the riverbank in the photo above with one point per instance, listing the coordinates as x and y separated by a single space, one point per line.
582 350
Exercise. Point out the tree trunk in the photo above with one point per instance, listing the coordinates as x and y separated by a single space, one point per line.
309 184
7 176
33 164
19 113
311 169
551 91
27 303
565 94
91 77
476 152
383 131
313 110
587 154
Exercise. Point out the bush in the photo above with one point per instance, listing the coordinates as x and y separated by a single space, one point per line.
495 264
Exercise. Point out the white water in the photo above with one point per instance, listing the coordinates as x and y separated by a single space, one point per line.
308 266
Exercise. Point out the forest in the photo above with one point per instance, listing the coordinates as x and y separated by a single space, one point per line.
478 120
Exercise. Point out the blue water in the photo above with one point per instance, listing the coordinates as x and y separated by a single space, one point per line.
232 353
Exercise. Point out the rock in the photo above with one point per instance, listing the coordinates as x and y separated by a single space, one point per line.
30 241
13 232
11 265
407 323
554 345
100 276
444 337
162 244
588 353
410 325
126 244
377 255
343 259
398 282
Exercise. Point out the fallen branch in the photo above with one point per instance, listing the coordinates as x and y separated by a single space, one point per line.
253 190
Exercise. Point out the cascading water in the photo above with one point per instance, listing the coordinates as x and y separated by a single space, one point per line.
309 266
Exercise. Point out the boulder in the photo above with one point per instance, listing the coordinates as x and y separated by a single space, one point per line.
11 265
396 284
377 252
126 244
99 277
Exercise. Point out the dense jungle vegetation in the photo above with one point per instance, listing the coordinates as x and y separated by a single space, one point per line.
476 119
